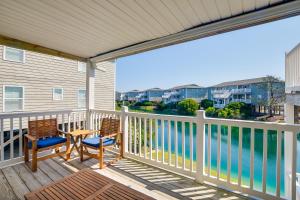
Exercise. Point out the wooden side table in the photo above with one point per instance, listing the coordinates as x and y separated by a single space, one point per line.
77 136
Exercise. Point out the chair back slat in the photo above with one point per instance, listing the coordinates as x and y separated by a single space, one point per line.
43 128
109 126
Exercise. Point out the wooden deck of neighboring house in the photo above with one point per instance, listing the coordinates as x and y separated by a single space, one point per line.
17 180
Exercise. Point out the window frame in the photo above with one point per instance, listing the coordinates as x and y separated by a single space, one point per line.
62 94
23 97
79 99
78 67
6 59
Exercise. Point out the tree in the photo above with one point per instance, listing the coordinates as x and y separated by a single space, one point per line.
275 93
187 107
206 103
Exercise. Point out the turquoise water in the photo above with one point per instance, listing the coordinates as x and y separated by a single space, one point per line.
258 152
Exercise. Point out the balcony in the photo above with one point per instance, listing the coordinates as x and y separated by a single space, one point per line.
156 147
241 91
248 101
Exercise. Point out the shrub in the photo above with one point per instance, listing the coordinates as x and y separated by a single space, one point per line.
187 107
206 103
210 111
161 106
226 113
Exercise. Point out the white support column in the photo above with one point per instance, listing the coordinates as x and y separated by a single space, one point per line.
125 128
200 146
90 90
288 154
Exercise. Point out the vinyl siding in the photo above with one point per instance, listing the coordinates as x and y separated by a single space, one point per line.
41 73
105 85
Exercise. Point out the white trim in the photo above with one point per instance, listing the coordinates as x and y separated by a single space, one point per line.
253 18
62 94
4 55
23 97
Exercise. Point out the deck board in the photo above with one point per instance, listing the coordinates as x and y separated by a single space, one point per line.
157 183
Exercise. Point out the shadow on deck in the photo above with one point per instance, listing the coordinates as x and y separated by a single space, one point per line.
17 180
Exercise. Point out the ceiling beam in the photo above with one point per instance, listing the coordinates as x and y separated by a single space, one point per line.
7 41
281 11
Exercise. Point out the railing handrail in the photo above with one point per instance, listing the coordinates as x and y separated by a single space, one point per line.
34 113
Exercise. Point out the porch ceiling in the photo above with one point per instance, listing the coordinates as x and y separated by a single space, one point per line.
112 28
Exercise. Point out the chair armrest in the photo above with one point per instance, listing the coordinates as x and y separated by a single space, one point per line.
63 132
30 137
109 136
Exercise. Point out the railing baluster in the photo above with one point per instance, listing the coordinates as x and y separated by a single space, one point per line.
145 137
130 134
162 140
191 146
169 143
218 150
63 122
229 155
20 137
2 139
240 156
150 136
69 123
11 138
176 143
252 143
156 140
183 144
134 136
208 149
278 162
140 137
265 154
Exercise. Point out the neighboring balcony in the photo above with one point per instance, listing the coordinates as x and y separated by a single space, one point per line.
248 101
241 91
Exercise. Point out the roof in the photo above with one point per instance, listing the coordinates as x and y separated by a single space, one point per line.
186 86
109 29
154 89
241 82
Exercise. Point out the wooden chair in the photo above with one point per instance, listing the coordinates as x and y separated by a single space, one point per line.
44 135
110 136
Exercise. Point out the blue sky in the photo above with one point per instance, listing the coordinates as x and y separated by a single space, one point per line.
241 54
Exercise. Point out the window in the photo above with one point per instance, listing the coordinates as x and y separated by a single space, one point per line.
81 98
58 94
81 66
13 98
12 54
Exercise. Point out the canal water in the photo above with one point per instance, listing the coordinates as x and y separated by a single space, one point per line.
258 152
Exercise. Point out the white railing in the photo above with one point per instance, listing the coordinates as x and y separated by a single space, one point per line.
14 125
182 144
242 100
240 90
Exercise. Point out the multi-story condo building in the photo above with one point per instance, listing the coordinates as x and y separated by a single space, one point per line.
32 81
153 94
132 95
191 91
250 91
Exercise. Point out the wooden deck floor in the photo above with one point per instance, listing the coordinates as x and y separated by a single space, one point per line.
17 180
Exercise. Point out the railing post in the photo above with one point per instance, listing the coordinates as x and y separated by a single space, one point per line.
290 149
200 146
125 128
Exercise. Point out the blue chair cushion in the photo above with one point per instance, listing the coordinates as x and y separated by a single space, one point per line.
95 141
47 142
